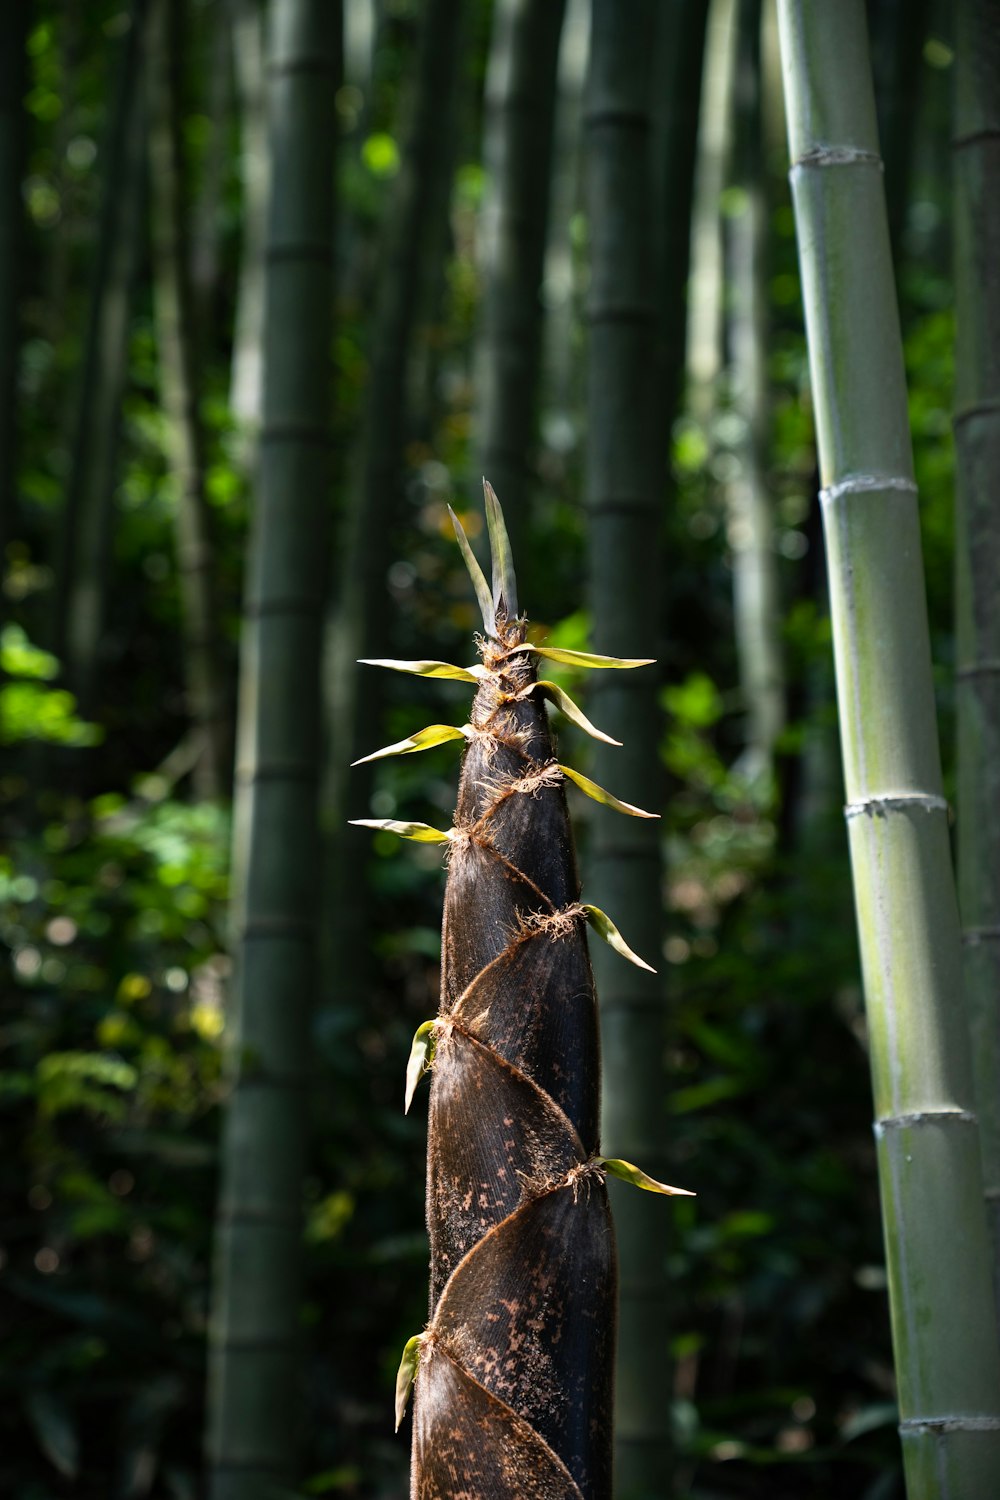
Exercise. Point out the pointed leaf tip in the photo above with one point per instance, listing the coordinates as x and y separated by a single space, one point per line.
640 1179
406 1374
423 739
425 668
504 582
572 710
605 928
421 833
588 658
479 583
600 795
420 1060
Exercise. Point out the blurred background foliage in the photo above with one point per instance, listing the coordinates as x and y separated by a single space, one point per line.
113 876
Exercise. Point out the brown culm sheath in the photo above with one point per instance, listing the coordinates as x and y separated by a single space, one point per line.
513 1391
512 1397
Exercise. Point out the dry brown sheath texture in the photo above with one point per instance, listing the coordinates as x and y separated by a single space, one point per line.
513 1385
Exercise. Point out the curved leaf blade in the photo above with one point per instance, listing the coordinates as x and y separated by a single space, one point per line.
482 588
640 1179
606 798
588 659
421 833
504 582
606 929
572 710
424 739
424 668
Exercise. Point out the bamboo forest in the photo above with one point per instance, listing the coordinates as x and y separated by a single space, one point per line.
500 775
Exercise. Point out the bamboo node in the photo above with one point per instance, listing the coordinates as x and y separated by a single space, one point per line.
950 1424
838 156
924 1117
861 484
889 802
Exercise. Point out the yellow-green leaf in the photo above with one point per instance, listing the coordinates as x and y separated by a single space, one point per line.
479 583
421 1057
504 582
588 659
424 739
406 1374
605 928
425 668
628 1173
421 833
600 795
572 710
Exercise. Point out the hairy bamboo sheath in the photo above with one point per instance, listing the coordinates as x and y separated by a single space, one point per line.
512 1376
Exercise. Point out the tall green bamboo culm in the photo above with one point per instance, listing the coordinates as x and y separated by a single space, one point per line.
13 73
977 449
623 488
253 1387
940 1288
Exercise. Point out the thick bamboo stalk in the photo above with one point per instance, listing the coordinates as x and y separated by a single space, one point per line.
940 1291
253 1390
977 446
623 490
176 324
520 122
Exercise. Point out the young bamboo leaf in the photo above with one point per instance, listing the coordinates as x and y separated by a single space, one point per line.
421 1057
600 795
565 704
421 833
586 658
425 668
424 739
504 582
628 1173
605 928
479 583
406 1374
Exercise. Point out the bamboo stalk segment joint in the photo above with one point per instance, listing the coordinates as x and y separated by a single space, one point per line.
860 484
950 1424
838 156
925 1117
884 803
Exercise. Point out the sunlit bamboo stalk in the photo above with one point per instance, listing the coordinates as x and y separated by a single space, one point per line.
940 1289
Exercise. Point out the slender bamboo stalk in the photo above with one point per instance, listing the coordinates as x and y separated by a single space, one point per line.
561 331
680 69
751 520
977 446
623 489
253 1389
13 76
520 122
85 538
940 1291
358 613
176 324
248 58
704 321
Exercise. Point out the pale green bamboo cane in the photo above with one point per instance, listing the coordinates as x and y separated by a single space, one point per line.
977 450
253 1385
624 486
940 1291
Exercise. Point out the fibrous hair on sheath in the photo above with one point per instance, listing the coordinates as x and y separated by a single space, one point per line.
512 1377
